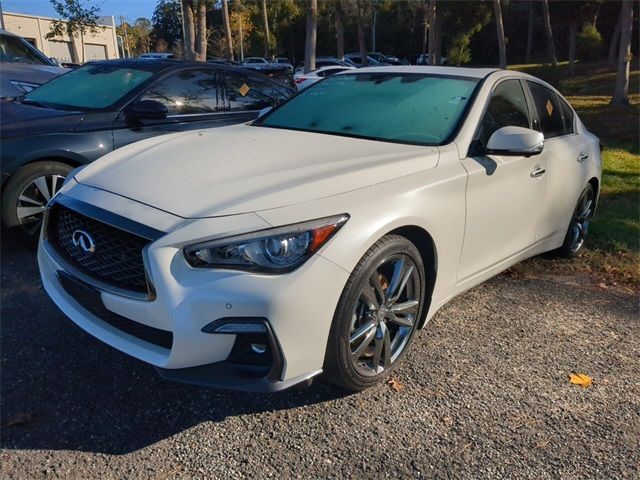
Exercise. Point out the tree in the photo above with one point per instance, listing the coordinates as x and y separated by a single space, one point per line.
359 26
339 30
621 93
137 39
311 36
265 25
431 19
549 33
529 34
195 28
167 26
227 28
502 47
615 40
76 20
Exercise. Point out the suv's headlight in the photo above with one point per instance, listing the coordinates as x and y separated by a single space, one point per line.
275 250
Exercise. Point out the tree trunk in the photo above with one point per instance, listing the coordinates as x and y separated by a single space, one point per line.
502 47
360 28
189 30
613 46
527 56
265 24
312 34
549 33
573 35
202 31
432 31
339 32
621 94
438 40
425 37
227 28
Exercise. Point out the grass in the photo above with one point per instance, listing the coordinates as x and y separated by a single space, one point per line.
613 248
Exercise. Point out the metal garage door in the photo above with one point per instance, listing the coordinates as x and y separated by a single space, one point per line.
95 52
62 51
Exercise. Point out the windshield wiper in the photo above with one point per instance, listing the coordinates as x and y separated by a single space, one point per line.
26 101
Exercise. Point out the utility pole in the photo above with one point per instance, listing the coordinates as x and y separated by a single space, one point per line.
184 35
123 24
241 41
1 16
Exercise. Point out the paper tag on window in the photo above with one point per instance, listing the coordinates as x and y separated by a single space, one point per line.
244 89
549 107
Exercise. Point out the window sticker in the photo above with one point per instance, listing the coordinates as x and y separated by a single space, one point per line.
244 89
549 107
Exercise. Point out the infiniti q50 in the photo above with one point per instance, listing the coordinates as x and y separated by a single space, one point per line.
321 237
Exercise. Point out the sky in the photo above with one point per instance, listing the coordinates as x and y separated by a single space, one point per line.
130 9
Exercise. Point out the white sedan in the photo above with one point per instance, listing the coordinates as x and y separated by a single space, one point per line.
303 80
324 235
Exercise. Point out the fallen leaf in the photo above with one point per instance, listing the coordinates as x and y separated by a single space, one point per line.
20 419
580 379
603 286
395 385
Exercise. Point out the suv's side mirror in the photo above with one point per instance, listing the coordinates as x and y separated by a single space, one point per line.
515 141
264 111
149 109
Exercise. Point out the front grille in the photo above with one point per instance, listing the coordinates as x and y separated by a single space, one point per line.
116 256
91 300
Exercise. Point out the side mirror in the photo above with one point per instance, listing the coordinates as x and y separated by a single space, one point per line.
264 111
55 61
515 141
149 109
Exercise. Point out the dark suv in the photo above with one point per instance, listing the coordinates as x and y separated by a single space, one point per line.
88 112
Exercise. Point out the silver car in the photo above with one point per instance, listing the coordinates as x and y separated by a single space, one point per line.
24 67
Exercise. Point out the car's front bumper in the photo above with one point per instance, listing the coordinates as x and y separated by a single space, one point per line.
297 309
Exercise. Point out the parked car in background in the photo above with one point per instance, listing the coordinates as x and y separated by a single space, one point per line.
101 106
384 59
356 60
424 60
224 61
303 80
284 62
274 70
22 66
156 56
322 236
326 62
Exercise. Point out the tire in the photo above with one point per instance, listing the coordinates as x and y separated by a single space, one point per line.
369 314
576 235
36 182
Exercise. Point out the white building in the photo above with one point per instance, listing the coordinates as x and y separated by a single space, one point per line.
99 46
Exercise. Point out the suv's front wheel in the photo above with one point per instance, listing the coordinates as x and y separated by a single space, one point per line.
377 314
27 192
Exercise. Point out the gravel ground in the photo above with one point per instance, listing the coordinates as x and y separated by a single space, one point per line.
485 394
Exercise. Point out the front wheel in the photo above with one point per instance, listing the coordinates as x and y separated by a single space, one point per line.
377 314
579 226
27 192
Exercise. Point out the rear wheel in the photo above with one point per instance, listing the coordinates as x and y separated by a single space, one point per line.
377 314
579 226
27 192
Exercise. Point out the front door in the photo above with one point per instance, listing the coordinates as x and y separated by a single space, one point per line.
504 193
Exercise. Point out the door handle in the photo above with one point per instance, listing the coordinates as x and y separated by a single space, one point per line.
582 157
537 172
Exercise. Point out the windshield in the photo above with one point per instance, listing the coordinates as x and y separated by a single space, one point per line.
15 50
394 107
89 87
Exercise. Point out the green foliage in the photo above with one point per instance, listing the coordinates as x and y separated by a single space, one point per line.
167 27
77 17
459 52
589 43
138 36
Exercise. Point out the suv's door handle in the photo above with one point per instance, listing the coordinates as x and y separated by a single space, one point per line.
582 157
537 172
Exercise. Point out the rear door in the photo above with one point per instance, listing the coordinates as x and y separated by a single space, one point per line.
565 156
194 99
504 194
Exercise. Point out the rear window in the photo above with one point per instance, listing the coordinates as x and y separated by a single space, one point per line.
550 118
395 107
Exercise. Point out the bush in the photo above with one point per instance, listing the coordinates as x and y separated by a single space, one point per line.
589 43
459 52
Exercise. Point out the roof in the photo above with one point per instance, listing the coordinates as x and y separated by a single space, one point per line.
454 71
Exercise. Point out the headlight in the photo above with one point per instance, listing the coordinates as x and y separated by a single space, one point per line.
24 87
275 250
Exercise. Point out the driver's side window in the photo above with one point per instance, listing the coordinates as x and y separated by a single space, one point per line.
507 107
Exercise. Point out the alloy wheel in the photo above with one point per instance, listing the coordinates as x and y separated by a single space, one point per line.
581 220
385 315
33 199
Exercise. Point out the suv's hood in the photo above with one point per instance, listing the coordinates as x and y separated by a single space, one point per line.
19 120
241 168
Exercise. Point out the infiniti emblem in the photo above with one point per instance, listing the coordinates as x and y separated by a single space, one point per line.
83 241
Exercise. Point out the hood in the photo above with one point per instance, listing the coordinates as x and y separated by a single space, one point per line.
243 168
17 119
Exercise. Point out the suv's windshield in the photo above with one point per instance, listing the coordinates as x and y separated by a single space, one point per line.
394 107
89 87
15 50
